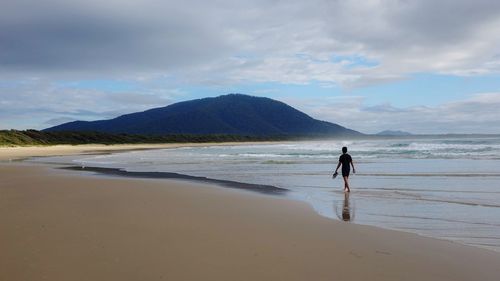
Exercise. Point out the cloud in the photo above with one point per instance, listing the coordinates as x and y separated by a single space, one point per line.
164 45
109 37
58 121
204 42
31 104
476 114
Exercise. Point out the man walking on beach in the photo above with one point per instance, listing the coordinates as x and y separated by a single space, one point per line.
345 160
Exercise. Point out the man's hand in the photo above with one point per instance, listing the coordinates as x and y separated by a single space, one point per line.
353 170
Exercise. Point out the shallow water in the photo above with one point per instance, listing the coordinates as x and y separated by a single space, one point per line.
445 188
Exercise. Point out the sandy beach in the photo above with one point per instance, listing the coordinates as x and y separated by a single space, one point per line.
65 225
20 152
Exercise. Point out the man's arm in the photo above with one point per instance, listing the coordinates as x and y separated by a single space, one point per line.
353 170
338 166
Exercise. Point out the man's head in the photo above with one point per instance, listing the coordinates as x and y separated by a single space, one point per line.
344 149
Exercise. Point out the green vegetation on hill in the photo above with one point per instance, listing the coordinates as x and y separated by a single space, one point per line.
34 137
233 114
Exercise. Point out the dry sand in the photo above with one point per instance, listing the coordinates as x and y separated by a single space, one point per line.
62 225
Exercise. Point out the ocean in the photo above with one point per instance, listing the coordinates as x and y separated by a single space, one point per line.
442 187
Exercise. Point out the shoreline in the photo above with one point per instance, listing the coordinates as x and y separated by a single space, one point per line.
9 154
16 154
68 150
260 188
242 186
198 231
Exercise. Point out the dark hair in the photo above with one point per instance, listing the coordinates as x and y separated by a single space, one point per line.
344 149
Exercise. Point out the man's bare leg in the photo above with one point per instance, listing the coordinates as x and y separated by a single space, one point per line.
346 184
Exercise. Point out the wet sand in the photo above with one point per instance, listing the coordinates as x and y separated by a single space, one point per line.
64 225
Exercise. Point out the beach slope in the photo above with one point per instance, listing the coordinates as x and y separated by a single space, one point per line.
61 225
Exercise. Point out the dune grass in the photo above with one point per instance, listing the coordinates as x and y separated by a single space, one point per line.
34 137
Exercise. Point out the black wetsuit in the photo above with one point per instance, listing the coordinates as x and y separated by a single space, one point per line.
346 160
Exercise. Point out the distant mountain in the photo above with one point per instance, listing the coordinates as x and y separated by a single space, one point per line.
393 133
233 114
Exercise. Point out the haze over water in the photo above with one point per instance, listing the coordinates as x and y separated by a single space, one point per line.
440 187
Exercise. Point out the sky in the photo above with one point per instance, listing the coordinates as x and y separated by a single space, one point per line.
417 66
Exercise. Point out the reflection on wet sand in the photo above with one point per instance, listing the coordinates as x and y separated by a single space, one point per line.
347 213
